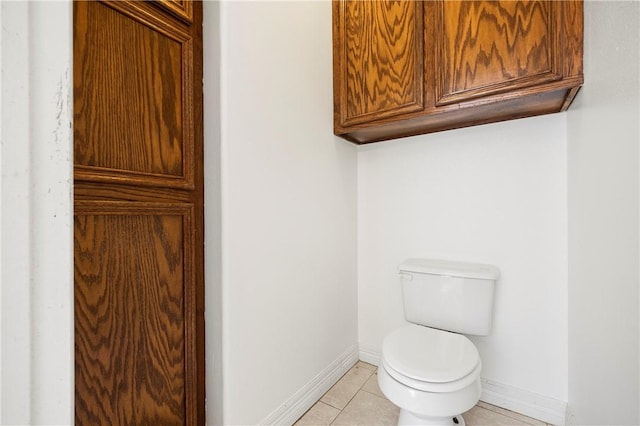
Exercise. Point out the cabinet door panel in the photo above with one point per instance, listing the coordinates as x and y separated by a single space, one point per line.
133 111
381 47
493 46
134 307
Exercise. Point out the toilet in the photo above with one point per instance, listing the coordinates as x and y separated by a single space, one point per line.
428 367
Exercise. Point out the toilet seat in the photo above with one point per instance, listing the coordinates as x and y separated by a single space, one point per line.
430 360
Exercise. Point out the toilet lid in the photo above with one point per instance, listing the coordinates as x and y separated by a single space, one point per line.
430 355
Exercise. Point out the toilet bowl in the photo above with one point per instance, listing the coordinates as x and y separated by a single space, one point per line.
432 375
428 368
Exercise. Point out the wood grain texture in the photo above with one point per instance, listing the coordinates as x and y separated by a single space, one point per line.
139 222
571 23
180 8
508 108
133 114
133 308
100 191
382 44
482 62
493 46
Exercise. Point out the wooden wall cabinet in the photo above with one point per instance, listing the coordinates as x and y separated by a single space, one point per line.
404 68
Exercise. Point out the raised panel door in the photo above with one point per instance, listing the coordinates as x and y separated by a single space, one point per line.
379 61
139 213
488 47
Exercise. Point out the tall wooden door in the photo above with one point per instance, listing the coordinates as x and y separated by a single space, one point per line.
138 221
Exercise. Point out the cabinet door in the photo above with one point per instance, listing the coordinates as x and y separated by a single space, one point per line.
138 225
488 47
378 59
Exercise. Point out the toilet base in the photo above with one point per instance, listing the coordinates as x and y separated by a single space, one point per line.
429 408
408 418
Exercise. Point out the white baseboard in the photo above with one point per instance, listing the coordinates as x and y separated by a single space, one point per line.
309 394
521 401
370 354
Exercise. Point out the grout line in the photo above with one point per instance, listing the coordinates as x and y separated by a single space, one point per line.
370 393
505 414
359 389
515 416
354 395
329 404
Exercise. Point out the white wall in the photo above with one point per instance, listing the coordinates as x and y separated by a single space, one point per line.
603 138
288 206
492 194
212 211
15 311
36 181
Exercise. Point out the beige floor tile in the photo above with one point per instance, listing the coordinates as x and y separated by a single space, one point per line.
367 365
320 414
513 415
342 392
356 399
371 386
479 416
368 409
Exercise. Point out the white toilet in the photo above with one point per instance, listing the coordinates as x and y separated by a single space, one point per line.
429 371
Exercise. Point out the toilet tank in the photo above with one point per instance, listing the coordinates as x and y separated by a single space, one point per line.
448 295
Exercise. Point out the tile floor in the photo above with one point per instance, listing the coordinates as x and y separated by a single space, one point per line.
357 400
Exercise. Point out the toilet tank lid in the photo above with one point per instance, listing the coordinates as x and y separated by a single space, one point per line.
450 268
